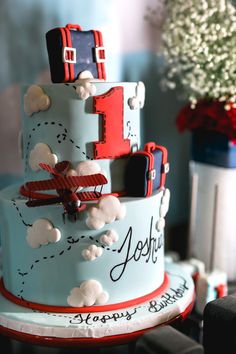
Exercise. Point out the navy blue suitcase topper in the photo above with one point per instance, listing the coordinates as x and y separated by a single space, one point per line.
146 170
71 51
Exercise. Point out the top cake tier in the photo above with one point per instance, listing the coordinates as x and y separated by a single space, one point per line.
82 121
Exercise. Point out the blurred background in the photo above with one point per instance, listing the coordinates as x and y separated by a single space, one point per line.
131 32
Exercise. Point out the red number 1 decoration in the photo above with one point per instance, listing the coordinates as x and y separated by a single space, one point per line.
110 107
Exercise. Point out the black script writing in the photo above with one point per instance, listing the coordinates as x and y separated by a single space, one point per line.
168 298
89 319
147 248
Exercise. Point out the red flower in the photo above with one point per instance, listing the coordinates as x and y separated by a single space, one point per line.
209 115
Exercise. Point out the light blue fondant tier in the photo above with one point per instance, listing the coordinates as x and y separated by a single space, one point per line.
129 268
69 127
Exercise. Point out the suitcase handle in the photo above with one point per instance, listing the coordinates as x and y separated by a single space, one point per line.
150 146
71 26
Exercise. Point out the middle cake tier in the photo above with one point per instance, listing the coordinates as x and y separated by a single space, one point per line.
79 122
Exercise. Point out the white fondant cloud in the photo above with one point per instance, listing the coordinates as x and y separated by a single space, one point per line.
107 210
138 100
86 74
109 238
42 232
89 293
160 225
35 100
41 153
164 207
92 252
88 168
84 86
165 201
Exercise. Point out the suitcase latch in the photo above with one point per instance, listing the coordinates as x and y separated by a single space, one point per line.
69 55
152 174
100 54
165 168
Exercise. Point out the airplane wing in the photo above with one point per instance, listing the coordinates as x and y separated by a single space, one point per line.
67 182
41 202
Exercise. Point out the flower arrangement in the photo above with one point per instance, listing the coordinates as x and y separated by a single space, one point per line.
199 46
210 115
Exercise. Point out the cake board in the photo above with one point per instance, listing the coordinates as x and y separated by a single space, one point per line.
99 329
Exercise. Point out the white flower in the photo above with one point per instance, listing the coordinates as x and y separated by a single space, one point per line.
199 47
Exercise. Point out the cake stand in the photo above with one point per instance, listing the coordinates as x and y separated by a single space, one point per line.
99 329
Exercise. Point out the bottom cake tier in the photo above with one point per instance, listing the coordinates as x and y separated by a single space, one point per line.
101 328
112 255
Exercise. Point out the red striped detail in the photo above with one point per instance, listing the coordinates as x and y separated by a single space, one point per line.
84 196
49 169
67 182
99 43
102 65
148 148
64 44
91 180
164 161
34 195
86 309
96 45
70 65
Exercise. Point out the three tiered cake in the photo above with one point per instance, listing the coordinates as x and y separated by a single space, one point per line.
85 233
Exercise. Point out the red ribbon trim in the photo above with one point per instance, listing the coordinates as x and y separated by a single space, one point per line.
86 309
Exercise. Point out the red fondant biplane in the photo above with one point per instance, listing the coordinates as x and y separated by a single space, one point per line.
66 188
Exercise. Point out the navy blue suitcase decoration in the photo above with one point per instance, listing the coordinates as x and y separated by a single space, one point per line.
146 170
71 51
